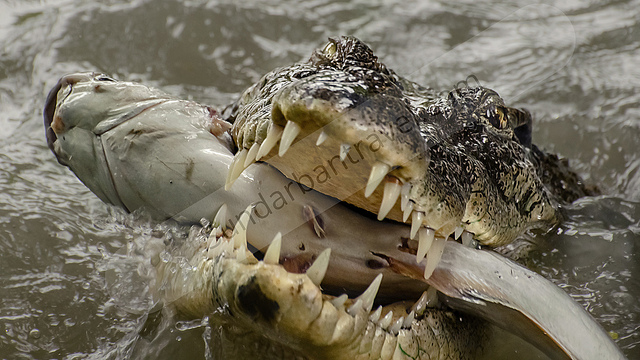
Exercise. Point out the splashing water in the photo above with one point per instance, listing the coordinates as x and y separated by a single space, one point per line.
70 288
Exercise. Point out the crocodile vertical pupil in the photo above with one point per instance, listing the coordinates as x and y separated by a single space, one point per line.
330 49
497 117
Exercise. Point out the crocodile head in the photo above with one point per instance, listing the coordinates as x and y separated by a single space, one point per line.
346 123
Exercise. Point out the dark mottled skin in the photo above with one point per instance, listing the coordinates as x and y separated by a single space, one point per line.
468 156
253 302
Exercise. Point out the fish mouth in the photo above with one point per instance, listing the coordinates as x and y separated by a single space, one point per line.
53 124
77 117
49 111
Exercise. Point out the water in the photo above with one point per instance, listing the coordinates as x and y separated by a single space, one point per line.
575 67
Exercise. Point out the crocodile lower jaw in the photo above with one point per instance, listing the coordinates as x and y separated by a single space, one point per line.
292 309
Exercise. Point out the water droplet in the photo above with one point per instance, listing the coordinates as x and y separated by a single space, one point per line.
8 329
622 300
103 250
184 263
165 256
188 325
35 333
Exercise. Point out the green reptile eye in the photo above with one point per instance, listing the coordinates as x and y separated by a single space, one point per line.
330 49
497 117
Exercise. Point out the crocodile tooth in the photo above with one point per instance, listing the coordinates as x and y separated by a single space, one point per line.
236 168
409 319
397 325
386 320
272 255
421 305
274 134
289 134
339 301
404 199
425 239
432 297
448 235
251 155
407 211
217 231
217 249
214 235
227 247
241 254
211 238
433 256
467 239
240 230
378 171
391 193
213 251
375 316
355 307
428 299
457 232
416 221
369 295
221 216
321 138
344 150
319 267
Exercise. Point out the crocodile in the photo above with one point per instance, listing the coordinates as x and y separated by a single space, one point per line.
461 164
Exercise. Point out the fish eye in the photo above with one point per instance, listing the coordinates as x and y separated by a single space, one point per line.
105 78
330 49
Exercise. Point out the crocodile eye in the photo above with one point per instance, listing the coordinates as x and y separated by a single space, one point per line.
330 49
496 116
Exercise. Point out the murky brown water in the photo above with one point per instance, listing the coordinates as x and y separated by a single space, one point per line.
574 66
